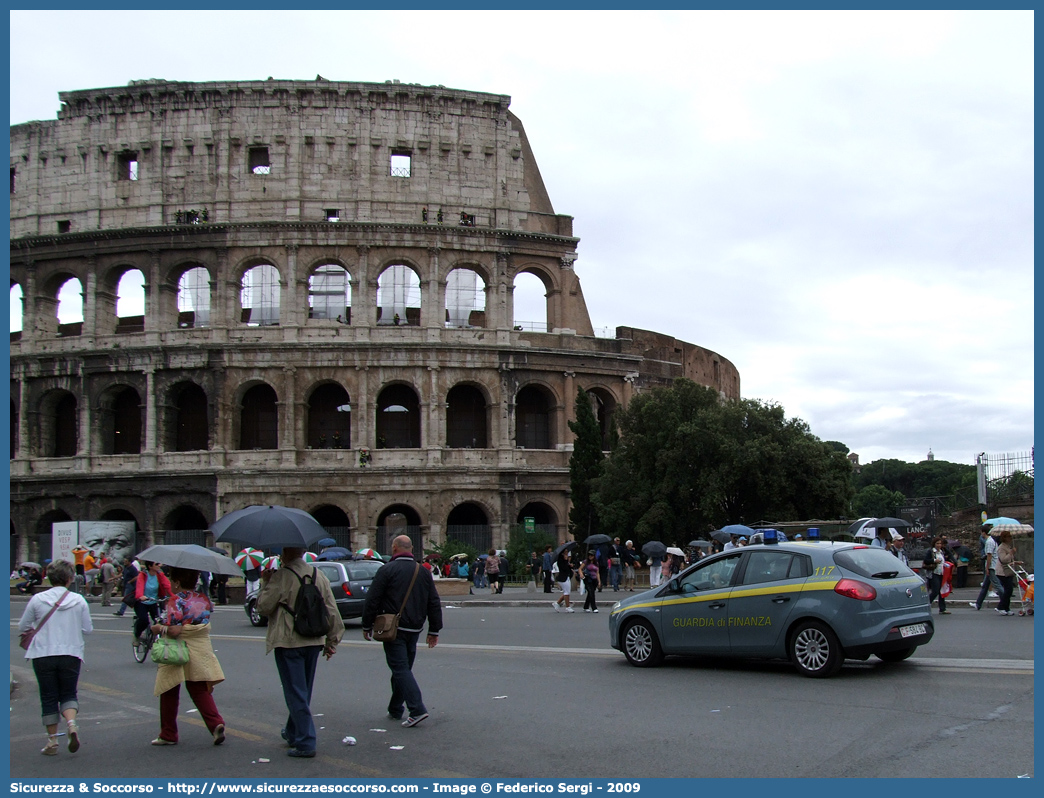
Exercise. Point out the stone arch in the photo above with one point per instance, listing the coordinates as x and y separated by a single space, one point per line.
258 417
399 519
120 513
330 291
329 424
524 299
469 522
192 283
59 426
17 310
400 294
42 537
467 417
186 523
131 303
398 422
260 292
535 417
543 514
120 420
335 521
61 305
604 404
188 423
467 293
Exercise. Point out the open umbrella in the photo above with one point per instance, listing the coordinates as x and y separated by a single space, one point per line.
1017 530
250 558
654 549
190 556
266 526
461 556
327 542
367 554
597 540
700 544
675 550
30 564
569 545
335 553
859 528
1001 519
309 556
271 563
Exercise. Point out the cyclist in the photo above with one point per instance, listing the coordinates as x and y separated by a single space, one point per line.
152 585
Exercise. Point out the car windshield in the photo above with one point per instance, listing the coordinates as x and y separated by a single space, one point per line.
872 563
362 570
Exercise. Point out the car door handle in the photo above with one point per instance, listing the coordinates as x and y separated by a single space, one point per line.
717 605
780 599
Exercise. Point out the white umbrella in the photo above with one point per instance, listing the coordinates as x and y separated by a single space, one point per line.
675 550
1016 530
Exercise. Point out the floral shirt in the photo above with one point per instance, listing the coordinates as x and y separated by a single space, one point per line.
188 606
591 571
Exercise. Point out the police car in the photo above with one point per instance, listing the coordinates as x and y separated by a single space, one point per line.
813 602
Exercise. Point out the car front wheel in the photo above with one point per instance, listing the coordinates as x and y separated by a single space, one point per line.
896 656
641 646
815 650
256 618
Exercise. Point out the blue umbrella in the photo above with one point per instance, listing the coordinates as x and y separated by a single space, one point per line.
737 529
335 553
1002 519
327 542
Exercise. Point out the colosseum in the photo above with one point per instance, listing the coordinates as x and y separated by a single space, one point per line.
327 277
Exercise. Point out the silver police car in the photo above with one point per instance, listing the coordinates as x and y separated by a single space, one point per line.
814 603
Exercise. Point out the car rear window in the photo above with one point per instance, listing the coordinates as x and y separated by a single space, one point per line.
871 562
362 570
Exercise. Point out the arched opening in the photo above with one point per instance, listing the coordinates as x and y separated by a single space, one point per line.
329 418
398 296
259 296
529 298
194 298
137 538
466 418
399 519
44 534
130 302
398 418
465 299
336 522
70 308
186 524
16 312
330 294
121 422
59 424
190 427
604 406
469 524
259 419
545 519
533 421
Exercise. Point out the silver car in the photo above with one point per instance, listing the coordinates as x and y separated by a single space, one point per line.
814 603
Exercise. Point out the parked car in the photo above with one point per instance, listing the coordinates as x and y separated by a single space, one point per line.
814 603
349 580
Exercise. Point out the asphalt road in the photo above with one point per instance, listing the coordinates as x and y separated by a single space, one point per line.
525 692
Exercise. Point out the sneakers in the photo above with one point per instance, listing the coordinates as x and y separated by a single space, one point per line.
974 606
569 609
300 753
74 736
161 741
51 749
411 721
219 734
586 610
1004 612
944 612
992 594
555 607
595 609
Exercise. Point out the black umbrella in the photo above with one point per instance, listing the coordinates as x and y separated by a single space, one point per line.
654 549
596 540
569 545
700 544
192 557
884 523
721 537
268 526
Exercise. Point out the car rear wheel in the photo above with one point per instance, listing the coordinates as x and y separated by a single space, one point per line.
815 650
896 656
640 645
256 618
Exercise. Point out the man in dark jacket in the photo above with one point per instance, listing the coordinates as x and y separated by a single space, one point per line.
386 594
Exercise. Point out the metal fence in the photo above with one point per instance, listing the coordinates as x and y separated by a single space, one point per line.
1004 477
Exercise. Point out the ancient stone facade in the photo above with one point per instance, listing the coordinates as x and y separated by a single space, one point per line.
328 273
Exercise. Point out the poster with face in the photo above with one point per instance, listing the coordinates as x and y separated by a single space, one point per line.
113 539
63 538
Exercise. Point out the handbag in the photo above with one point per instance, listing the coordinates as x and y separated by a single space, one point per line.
170 651
25 639
386 626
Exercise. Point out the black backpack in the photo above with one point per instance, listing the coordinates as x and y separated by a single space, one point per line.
309 613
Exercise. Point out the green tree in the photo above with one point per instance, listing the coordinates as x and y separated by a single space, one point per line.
585 466
875 501
522 544
688 463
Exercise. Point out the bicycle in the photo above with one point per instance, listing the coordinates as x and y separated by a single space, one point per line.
143 644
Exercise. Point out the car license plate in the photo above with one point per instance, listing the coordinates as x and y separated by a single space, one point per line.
912 629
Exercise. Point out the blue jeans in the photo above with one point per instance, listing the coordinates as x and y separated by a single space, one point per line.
296 668
935 590
57 678
988 578
143 613
614 576
400 654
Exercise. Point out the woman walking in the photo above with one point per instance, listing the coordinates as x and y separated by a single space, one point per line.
492 570
1005 561
187 617
932 567
562 576
591 582
61 618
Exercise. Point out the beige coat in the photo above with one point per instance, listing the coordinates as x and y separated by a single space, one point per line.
203 665
1005 557
281 588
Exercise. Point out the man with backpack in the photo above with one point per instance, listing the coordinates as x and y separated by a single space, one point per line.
303 622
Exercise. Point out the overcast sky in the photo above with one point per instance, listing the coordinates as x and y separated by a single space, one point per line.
840 203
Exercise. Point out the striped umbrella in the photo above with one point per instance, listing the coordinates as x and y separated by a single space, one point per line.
1016 530
369 554
310 556
250 558
270 563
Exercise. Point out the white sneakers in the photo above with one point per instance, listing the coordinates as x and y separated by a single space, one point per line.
1005 612
569 609
559 608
